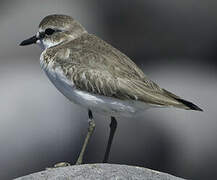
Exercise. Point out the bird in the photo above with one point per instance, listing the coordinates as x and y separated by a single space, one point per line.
95 75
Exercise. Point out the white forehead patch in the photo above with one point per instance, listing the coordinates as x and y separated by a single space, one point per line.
40 30
37 34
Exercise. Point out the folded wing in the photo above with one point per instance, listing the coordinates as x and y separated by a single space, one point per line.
96 67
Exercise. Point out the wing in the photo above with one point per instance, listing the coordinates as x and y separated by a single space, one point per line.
96 67
102 82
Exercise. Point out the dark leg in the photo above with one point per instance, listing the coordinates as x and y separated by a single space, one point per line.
113 127
91 128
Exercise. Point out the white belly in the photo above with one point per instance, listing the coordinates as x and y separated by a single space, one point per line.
102 104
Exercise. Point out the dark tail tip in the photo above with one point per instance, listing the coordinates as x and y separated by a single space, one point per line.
189 104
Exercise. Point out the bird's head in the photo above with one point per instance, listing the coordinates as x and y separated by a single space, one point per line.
55 29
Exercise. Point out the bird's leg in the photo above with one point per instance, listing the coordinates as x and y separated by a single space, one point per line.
91 128
113 126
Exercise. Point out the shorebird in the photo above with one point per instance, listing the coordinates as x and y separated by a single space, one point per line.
92 73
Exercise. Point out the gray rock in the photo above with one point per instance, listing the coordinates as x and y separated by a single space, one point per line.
99 172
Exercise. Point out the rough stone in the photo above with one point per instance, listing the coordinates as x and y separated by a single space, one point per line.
99 172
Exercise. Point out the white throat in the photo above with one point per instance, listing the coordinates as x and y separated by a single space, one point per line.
46 44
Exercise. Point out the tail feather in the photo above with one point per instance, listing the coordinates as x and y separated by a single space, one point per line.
188 104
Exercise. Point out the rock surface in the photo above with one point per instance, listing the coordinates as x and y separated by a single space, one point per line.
99 172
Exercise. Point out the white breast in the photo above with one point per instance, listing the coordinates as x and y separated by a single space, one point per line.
97 103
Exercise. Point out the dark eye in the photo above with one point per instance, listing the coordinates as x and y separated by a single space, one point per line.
49 31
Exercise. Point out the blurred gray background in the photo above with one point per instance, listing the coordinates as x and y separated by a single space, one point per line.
173 41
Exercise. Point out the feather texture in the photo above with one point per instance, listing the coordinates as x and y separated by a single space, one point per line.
96 67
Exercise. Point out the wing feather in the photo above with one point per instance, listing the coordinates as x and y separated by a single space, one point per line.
96 67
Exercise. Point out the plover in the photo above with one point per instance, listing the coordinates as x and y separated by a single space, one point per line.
92 73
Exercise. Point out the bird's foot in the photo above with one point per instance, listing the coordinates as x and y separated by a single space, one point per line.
79 161
61 164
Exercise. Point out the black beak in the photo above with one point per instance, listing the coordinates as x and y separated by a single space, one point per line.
29 41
